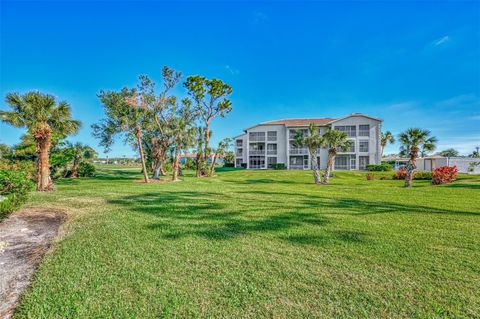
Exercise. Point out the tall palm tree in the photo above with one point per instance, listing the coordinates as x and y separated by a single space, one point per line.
415 141
386 138
335 140
42 116
313 141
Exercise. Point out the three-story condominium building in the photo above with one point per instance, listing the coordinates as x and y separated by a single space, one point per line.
269 143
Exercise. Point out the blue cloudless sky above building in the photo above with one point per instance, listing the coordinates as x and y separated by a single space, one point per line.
414 64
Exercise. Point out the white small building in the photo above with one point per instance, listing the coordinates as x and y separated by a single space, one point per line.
269 143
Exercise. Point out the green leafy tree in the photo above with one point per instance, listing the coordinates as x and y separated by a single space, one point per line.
313 141
334 140
43 117
126 113
475 153
223 147
415 141
6 152
451 152
183 131
386 138
160 110
211 101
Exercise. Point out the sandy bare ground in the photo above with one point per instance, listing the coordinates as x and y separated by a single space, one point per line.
25 236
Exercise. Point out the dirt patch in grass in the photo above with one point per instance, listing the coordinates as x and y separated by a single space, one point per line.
25 237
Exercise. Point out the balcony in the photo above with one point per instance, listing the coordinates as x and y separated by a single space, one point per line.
271 152
298 151
256 152
296 166
239 153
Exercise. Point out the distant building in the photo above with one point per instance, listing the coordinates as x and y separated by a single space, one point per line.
268 143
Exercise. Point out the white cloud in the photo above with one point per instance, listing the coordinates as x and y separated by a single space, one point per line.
232 70
259 17
441 41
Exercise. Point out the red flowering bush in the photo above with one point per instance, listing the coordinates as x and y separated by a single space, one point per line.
444 175
400 174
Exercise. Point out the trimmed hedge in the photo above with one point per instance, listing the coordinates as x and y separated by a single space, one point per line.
279 166
14 189
384 167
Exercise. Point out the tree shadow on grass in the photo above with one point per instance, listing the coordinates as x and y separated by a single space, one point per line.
359 207
458 185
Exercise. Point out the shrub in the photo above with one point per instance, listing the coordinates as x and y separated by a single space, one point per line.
228 165
370 177
14 188
279 166
27 167
384 167
444 175
190 164
400 174
86 169
425 175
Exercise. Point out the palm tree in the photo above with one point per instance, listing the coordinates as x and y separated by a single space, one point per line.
415 141
79 153
313 141
335 140
42 116
386 138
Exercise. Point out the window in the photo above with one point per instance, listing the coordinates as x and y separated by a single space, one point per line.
351 148
293 132
343 162
363 146
298 149
257 149
238 162
351 130
364 130
257 161
271 149
272 136
239 143
239 152
363 161
271 161
257 136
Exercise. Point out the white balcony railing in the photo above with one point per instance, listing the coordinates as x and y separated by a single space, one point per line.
298 151
296 166
271 152
256 152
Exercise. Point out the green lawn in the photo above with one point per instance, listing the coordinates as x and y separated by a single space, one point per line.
260 244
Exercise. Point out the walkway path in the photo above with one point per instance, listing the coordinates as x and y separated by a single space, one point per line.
25 236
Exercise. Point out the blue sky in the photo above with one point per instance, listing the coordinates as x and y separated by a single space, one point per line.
411 63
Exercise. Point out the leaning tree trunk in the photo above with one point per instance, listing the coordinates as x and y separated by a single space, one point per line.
198 163
212 166
138 134
326 175
314 163
411 166
43 141
176 165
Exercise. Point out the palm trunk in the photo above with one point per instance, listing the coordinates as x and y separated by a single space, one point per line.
44 182
411 166
176 165
326 175
142 156
212 167
206 153
198 166
75 169
157 167
316 173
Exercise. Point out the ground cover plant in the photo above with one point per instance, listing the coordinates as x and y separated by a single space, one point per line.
259 244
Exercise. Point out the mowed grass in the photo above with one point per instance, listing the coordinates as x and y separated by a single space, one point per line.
260 244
